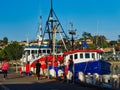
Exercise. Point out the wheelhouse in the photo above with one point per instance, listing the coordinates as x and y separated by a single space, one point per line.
83 55
33 52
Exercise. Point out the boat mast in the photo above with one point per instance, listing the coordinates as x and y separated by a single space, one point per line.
72 32
39 31
51 22
51 27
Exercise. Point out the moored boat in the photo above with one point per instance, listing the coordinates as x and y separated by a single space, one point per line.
86 61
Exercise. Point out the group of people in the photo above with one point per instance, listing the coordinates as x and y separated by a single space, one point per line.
69 67
67 70
5 65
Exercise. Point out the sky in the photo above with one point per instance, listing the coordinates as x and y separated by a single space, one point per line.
19 19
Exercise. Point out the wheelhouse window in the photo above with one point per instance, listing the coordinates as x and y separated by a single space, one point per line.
48 51
93 55
81 55
44 51
87 55
27 52
34 52
40 51
71 56
75 56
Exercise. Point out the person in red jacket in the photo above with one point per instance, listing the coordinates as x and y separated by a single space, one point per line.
27 68
5 68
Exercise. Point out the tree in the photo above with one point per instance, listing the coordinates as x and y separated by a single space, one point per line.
5 40
13 51
118 38
2 54
86 35
112 43
100 41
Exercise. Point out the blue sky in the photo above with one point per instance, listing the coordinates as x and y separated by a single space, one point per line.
19 19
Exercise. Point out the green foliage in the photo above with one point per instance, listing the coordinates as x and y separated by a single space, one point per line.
13 51
118 38
5 39
112 43
2 54
104 45
91 46
100 41
86 35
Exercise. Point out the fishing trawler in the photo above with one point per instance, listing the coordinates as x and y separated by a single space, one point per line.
85 60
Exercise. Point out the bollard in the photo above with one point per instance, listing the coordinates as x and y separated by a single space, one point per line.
106 78
81 76
89 78
69 76
119 80
60 73
46 72
95 79
106 81
115 81
53 73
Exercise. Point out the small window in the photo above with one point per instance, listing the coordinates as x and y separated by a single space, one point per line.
93 55
44 51
71 56
81 55
40 51
75 56
48 51
34 52
27 52
87 55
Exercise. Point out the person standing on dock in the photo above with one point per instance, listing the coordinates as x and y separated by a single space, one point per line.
27 72
38 66
70 65
70 70
5 68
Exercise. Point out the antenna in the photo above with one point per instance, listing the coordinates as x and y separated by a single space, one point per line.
97 35
40 27
39 32
27 35
40 23
51 3
72 32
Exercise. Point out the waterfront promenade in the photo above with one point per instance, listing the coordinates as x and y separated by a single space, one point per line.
17 82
